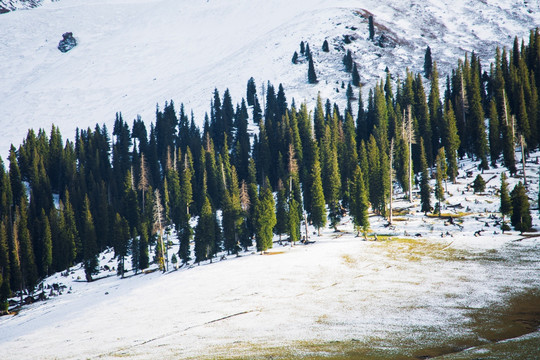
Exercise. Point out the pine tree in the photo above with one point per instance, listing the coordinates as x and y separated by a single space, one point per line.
293 220
185 234
371 28
476 118
440 176
355 76
294 59
318 207
479 184
135 251
494 133
359 202
143 247
265 219
281 211
425 188
121 241
46 246
251 91
159 222
143 179
521 215
325 47
312 76
506 203
334 187
5 290
451 141
308 52
232 215
428 63
73 243
204 233
89 242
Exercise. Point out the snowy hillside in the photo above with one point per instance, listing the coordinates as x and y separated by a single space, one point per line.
133 54
439 290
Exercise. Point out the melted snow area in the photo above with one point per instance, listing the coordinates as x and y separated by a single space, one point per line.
132 54
400 292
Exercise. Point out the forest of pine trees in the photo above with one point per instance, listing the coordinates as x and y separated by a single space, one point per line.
61 203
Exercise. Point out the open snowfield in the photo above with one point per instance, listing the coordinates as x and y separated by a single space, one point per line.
398 297
132 54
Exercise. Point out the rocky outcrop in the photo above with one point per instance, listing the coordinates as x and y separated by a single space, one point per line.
67 43
10 5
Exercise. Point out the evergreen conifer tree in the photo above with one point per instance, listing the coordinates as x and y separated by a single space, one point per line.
425 188
265 219
312 76
251 91
494 133
281 211
89 242
204 233
46 238
318 208
294 59
371 28
428 63
479 184
440 176
325 47
5 290
506 203
293 220
355 76
121 242
451 141
359 202
521 215
135 251
143 247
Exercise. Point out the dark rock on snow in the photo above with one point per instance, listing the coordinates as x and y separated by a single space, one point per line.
67 43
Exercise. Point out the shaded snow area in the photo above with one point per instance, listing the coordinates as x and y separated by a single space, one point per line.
399 295
132 54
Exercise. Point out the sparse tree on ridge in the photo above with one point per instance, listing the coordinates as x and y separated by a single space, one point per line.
312 76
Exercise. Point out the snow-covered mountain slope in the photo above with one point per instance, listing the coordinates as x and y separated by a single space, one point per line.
409 296
132 54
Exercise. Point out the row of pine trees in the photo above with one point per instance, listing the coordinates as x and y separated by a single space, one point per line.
62 203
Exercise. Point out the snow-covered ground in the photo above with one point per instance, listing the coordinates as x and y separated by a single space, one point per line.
132 54
398 295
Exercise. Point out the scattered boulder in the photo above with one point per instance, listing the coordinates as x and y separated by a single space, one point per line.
67 43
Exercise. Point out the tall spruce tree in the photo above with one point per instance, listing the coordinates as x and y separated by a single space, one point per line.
265 219
521 214
318 207
428 63
425 188
89 242
5 289
440 176
371 28
281 211
204 233
359 202
506 202
312 76
451 141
